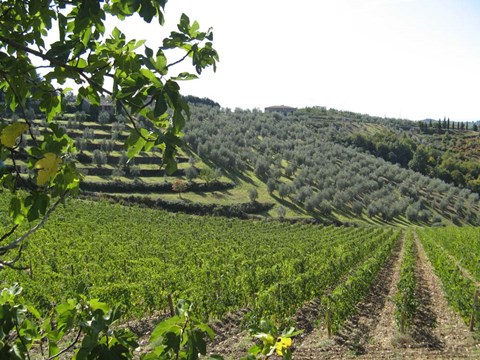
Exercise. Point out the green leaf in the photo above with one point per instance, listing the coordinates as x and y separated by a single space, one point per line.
147 11
184 25
86 36
255 349
161 106
152 77
66 315
62 25
194 29
32 310
51 105
148 52
207 329
170 165
173 324
95 304
172 341
38 204
160 63
17 210
135 144
53 348
198 343
59 50
185 76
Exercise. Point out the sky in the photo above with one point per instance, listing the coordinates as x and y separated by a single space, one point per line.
412 59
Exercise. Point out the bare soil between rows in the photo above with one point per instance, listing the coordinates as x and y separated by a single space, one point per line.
437 332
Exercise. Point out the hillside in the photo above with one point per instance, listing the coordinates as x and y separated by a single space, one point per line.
304 163
331 166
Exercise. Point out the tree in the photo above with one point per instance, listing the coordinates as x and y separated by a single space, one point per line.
99 158
284 190
179 186
103 117
252 194
208 175
80 116
191 173
420 160
262 168
143 86
271 186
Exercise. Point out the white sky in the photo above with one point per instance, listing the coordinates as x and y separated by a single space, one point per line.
398 58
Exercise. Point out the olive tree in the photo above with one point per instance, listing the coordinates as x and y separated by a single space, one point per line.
252 194
145 84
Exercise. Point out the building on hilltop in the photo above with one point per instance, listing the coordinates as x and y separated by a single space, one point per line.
106 104
285 110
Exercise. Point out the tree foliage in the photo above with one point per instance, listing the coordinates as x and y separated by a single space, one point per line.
144 85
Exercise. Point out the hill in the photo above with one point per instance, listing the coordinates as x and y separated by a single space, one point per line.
308 165
326 165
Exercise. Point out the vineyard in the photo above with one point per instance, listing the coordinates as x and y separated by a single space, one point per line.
359 290
107 251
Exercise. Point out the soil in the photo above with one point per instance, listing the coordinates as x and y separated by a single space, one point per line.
230 341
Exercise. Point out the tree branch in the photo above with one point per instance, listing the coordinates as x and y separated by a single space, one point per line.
178 61
15 243
69 346
11 263
21 338
132 121
10 232
37 53
18 176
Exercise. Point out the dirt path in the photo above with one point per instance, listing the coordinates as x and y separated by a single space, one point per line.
384 332
438 328
367 327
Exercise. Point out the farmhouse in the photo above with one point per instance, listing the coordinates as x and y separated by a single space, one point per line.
105 105
281 109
